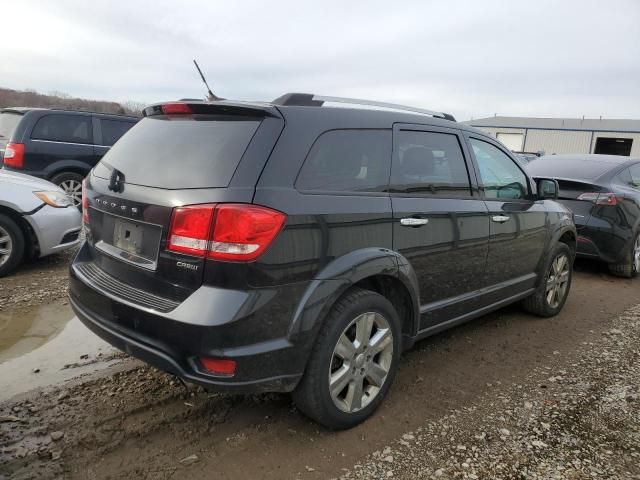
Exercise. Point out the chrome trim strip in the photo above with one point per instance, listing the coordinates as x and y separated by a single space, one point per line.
63 143
123 255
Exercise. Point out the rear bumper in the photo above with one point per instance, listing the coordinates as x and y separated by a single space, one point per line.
250 329
607 243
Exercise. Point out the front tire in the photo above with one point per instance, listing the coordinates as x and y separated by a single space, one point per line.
353 362
552 293
11 245
630 264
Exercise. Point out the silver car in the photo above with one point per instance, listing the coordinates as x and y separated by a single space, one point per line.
36 219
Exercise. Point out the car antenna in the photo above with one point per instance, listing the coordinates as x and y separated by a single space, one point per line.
210 96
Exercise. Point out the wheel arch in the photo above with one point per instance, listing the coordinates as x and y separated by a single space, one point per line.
380 270
31 247
568 236
67 166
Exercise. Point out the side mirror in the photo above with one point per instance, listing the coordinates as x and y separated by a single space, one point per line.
548 189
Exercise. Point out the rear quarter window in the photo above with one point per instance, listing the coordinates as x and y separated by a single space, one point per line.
63 128
347 161
8 123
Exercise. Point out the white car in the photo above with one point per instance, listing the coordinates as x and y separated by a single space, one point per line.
36 219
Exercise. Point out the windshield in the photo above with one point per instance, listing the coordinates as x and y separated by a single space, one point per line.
200 151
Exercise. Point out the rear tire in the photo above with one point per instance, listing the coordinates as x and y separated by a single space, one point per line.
11 245
630 264
353 362
552 293
71 183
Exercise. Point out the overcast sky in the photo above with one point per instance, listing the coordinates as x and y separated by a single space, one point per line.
470 58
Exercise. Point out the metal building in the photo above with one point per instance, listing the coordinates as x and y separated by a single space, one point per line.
564 135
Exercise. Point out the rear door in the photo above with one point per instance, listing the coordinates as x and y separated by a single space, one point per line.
440 223
518 230
63 138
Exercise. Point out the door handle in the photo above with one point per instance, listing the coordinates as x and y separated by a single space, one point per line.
500 218
413 222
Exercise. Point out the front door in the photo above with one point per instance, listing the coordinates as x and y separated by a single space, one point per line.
440 223
518 222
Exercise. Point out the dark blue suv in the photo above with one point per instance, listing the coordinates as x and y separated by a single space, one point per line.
292 246
58 145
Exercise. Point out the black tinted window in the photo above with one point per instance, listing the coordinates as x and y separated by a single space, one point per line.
429 163
112 130
348 161
63 128
500 175
181 152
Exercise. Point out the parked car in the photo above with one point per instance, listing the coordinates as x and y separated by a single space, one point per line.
58 145
292 246
603 191
36 219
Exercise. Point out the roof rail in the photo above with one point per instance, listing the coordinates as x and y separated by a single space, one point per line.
311 100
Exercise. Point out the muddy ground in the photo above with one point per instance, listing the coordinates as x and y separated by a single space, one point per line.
515 378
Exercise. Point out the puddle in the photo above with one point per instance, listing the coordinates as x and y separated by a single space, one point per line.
49 338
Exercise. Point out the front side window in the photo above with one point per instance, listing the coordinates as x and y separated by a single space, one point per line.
347 161
63 128
500 176
112 130
429 163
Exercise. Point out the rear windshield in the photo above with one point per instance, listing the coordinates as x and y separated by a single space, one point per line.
571 168
202 151
8 123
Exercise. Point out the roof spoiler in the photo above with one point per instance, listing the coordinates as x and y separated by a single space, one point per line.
311 100
195 107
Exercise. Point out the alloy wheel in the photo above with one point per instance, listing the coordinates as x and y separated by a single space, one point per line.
557 280
6 246
361 362
73 189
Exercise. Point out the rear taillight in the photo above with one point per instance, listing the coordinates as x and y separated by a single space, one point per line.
85 203
601 198
243 232
14 155
233 231
190 229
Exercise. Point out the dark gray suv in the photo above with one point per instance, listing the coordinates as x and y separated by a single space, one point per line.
293 246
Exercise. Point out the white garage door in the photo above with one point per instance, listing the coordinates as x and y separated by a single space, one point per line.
513 141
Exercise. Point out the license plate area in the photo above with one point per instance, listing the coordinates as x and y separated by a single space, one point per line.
127 236
133 242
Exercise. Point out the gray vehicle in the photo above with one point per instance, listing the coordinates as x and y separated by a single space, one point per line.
36 219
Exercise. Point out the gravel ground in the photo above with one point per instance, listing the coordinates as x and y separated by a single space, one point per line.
36 282
578 420
508 396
